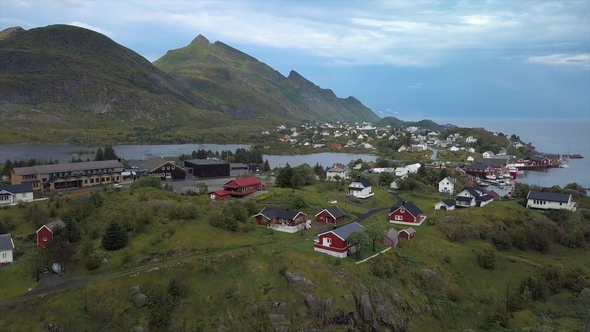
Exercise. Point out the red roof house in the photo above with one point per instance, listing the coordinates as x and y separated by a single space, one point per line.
336 146
334 242
282 220
332 214
45 232
407 233
220 195
243 186
406 213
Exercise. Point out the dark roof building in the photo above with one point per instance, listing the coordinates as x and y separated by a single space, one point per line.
17 188
6 242
345 231
365 182
448 202
271 213
409 206
548 196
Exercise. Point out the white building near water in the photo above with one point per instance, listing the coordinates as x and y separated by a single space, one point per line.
550 201
6 249
13 194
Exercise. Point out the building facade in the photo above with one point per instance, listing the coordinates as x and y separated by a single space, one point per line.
13 194
208 168
68 176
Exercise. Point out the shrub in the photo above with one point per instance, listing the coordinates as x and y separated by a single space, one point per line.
486 258
161 305
538 288
502 241
381 267
520 238
540 240
283 270
146 182
115 237
576 279
93 261
553 276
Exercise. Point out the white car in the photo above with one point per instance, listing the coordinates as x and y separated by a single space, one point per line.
118 185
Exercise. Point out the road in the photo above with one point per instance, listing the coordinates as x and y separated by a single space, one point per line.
174 261
434 153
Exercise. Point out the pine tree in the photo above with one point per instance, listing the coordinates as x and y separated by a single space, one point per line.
109 153
115 237
266 166
99 155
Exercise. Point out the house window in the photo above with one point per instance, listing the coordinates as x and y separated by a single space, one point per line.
163 168
168 168
44 239
3 255
398 217
24 194
328 241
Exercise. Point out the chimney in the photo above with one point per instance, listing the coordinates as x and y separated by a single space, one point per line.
403 203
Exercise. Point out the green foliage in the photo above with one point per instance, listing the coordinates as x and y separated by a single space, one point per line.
360 240
93 261
284 177
375 232
537 286
299 202
381 267
486 258
161 305
202 188
385 179
224 219
35 262
146 182
99 156
115 237
576 279
502 241
553 276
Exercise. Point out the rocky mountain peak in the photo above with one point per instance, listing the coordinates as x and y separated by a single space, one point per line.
200 40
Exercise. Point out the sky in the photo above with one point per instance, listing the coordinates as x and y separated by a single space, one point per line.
410 59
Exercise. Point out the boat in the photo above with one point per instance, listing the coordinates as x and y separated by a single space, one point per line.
564 165
490 177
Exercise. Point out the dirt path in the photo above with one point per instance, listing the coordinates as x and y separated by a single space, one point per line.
524 260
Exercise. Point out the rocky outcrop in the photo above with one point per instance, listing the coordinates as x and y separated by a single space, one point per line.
365 308
140 300
318 306
299 281
386 314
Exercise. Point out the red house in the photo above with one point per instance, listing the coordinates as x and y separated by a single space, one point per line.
406 213
540 160
45 233
243 186
334 242
407 233
336 146
220 195
479 169
332 214
282 220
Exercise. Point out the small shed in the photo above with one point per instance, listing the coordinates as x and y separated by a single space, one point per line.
407 233
391 238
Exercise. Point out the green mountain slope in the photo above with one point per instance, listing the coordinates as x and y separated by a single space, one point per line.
423 124
246 88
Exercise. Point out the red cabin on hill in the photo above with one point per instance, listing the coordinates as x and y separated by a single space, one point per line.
332 214
407 233
45 232
406 213
243 186
335 242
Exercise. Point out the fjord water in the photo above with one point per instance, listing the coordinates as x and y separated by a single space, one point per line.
549 136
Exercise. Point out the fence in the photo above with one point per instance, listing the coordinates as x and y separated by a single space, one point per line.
377 254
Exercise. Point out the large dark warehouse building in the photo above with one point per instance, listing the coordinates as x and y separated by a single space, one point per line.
208 168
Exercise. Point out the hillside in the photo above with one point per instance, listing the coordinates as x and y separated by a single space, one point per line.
247 88
422 124
199 274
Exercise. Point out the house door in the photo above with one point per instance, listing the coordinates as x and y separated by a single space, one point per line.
327 242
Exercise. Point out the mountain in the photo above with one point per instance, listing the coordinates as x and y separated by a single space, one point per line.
245 88
423 124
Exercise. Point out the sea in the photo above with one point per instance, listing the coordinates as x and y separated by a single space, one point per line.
555 136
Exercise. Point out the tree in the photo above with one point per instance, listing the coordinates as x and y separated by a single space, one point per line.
35 262
422 170
60 251
238 211
147 181
442 174
375 232
115 237
161 304
359 240
109 153
385 179
487 258
99 155
285 177
203 189
337 178
266 167
299 202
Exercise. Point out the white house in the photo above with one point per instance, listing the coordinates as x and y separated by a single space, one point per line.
6 248
550 201
470 158
470 139
447 186
454 149
471 150
402 148
360 188
446 204
472 197
413 168
12 194
401 171
343 173
488 154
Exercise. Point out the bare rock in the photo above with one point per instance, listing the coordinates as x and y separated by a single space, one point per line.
165 221
137 328
254 309
229 316
365 307
275 318
349 298
140 300
396 299
308 328
317 305
134 290
221 327
387 314
584 294
434 282
298 280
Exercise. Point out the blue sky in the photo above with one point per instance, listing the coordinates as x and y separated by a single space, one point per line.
410 59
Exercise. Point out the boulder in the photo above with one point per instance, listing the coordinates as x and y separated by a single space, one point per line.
298 280
397 300
365 308
387 314
584 294
317 305
134 290
434 282
165 221
137 328
276 318
140 300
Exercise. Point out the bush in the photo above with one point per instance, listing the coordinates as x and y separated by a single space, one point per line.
381 267
576 279
502 241
161 305
93 261
486 258
520 238
146 182
538 288
553 277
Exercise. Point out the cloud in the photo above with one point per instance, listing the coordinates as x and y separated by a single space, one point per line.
581 61
388 110
90 27
416 86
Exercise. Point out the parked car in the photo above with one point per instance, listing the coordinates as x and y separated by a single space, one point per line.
118 185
